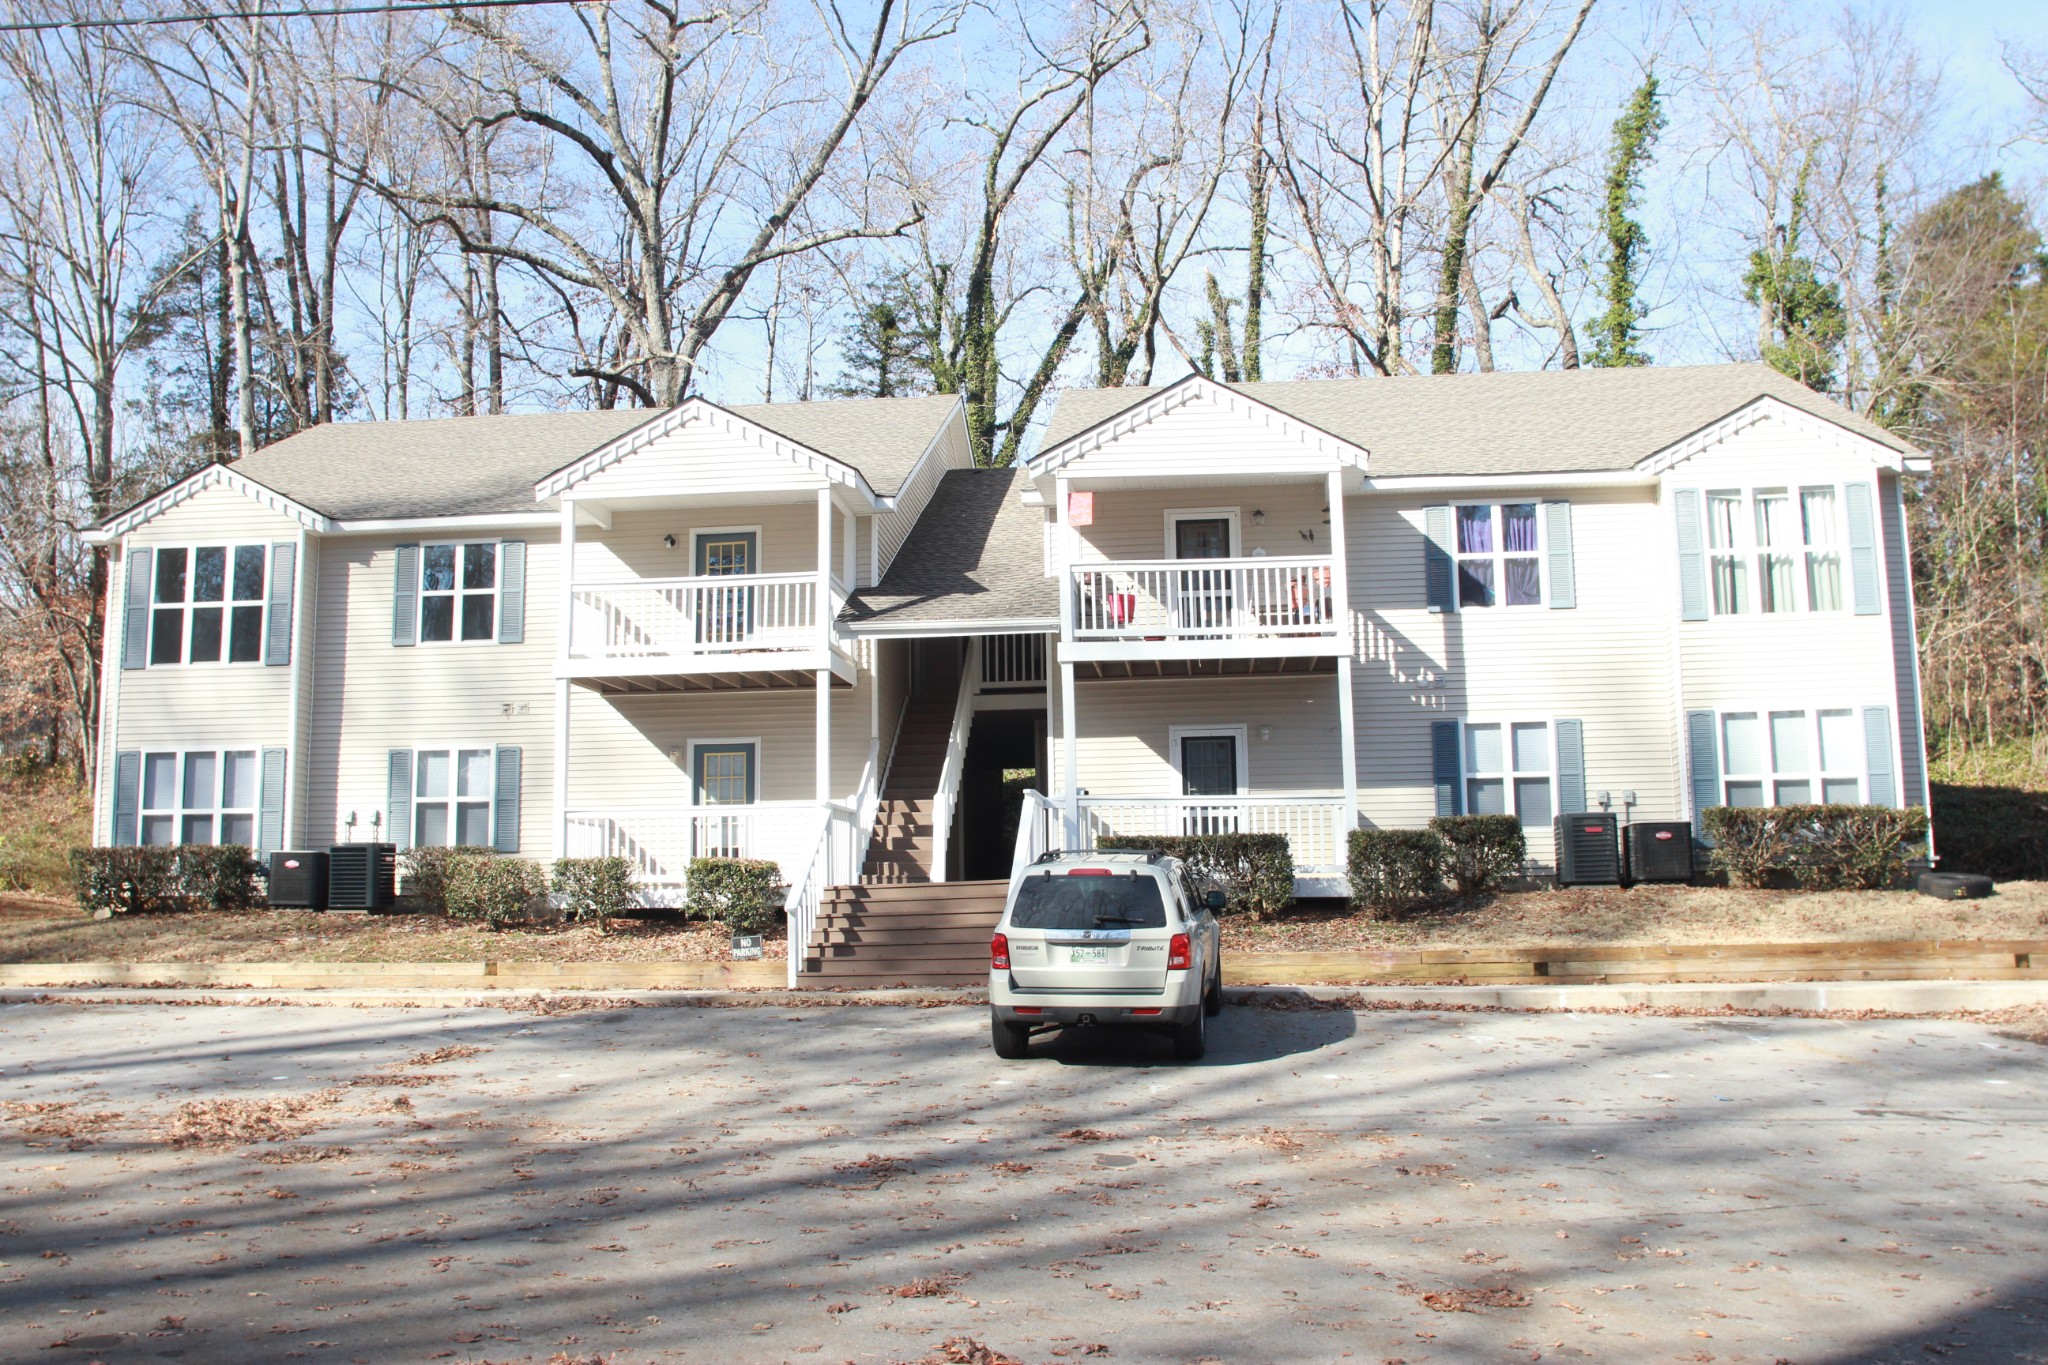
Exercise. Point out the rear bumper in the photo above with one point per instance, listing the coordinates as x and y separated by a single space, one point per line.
1119 1014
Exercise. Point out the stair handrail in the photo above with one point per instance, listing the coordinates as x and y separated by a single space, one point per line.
806 894
1034 832
956 758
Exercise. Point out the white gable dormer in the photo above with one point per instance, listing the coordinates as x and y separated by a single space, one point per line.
1197 427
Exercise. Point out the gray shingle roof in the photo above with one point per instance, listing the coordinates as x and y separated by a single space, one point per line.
1519 422
977 554
457 466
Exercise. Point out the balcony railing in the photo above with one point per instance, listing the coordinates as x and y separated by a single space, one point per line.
660 841
1205 599
683 618
1314 825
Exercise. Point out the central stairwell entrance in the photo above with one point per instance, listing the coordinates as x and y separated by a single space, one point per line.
910 920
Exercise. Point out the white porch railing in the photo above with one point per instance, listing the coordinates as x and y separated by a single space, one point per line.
834 861
1313 824
1205 599
948 797
660 841
1038 823
679 618
1012 659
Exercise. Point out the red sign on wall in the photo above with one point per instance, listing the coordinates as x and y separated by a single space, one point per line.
1080 509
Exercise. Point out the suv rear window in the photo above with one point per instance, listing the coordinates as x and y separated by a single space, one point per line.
1124 901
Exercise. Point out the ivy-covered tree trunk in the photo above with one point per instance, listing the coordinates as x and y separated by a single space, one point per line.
1617 331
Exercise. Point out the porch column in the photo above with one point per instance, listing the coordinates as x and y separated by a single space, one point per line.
824 735
824 570
1070 756
1347 719
565 574
561 786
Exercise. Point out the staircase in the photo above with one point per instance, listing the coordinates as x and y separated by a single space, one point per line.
900 849
915 934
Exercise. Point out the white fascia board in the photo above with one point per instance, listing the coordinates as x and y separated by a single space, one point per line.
1768 408
1918 464
699 410
923 630
476 521
1188 390
1471 483
213 476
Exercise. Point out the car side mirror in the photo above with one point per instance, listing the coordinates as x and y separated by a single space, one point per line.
1215 900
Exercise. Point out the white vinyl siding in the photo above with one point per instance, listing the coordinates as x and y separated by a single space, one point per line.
706 456
1131 522
1204 438
634 546
1125 738
890 529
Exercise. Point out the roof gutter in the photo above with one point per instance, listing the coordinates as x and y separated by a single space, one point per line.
1439 483
925 630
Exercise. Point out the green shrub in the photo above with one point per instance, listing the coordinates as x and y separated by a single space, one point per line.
217 876
1255 872
2001 832
496 890
1481 850
121 881
596 888
426 871
1822 848
1392 868
745 893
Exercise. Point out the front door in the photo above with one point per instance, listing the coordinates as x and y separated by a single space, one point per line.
724 776
725 614
1208 767
1205 599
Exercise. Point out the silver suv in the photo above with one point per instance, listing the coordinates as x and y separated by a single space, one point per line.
1110 939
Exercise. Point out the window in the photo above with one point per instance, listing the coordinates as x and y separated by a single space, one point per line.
200 796
1791 758
1500 562
452 791
1785 542
1508 771
459 591
206 604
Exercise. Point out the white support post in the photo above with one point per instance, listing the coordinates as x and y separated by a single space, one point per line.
847 570
1070 756
1340 601
1062 558
1347 752
824 573
824 736
565 625
566 587
561 773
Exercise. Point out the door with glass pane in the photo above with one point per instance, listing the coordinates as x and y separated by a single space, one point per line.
1205 603
725 615
724 777
1208 767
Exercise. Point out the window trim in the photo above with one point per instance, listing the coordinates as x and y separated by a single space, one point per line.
228 603
727 742
1541 554
697 533
1508 772
1815 775
1175 515
490 801
1751 555
218 811
1241 734
420 594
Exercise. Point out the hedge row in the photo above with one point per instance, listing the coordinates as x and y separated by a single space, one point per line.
1821 848
118 881
1254 871
744 892
1392 868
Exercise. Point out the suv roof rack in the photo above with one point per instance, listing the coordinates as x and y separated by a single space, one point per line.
1054 855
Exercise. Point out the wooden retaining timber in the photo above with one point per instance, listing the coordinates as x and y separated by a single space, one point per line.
449 976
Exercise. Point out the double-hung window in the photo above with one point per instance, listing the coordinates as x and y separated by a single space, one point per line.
1500 562
1509 771
199 796
459 591
1774 550
1791 757
452 794
207 604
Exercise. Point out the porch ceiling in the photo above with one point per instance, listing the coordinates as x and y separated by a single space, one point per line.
1118 670
754 681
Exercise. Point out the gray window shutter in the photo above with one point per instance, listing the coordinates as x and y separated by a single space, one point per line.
1438 573
1877 755
1448 765
405 596
284 559
127 797
511 592
1557 529
1706 766
1571 767
135 614
1862 548
398 800
505 822
270 818
1692 555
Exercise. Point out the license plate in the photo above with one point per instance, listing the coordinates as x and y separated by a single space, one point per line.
1087 954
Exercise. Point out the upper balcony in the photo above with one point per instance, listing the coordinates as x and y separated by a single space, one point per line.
1203 608
699 624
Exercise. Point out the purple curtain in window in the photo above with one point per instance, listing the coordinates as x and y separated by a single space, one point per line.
1475 530
1521 527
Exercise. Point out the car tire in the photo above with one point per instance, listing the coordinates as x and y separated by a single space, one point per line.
1953 886
1191 1040
1011 1041
1212 999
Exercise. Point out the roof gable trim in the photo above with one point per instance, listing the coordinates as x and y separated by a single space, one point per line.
1194 389
213 476
562 482
1766 408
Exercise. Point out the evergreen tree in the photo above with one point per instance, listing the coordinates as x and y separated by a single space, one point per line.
885 352
1616 332
1802 322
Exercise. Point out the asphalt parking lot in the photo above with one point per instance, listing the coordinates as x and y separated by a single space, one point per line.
260 1183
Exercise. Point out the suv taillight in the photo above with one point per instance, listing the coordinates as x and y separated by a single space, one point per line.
1180 954
999 953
